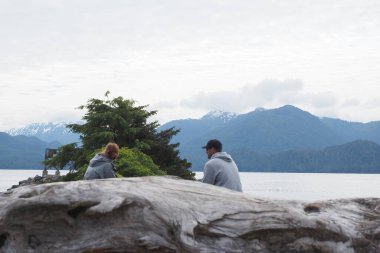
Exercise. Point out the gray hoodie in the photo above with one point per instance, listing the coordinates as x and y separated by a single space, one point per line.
100 167
221 170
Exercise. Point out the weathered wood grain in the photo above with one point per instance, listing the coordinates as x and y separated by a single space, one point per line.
166 214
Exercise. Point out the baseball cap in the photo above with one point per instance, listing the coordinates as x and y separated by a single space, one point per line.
213 144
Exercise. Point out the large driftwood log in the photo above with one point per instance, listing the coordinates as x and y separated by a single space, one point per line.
164 214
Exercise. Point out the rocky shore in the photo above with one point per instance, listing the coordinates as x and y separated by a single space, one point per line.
166 214
37 179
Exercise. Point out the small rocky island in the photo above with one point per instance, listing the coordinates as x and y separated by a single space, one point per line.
168 214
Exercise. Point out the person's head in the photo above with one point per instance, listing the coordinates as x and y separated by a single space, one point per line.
212 147
111 150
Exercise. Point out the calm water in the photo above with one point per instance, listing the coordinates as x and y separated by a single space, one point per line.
297 186
12 177
309 186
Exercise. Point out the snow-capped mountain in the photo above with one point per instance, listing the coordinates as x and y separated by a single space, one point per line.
220 116
47 132
190 128
285 137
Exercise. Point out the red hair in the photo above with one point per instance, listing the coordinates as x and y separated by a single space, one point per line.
110 149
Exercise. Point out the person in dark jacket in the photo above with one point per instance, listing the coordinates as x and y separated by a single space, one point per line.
102 165
220 169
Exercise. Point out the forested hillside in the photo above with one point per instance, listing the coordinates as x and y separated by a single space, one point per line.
353 157
281 139
262 140
23 152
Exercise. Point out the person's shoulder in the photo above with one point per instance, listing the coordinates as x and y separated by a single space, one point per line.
210 162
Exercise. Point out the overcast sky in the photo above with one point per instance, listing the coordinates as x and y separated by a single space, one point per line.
185 58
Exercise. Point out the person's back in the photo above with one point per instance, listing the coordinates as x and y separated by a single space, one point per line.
221 169
102 165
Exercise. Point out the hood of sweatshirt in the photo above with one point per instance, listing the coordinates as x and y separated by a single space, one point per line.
100 159
222 155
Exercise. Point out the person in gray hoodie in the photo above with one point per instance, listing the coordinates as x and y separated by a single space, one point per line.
220 169
102 165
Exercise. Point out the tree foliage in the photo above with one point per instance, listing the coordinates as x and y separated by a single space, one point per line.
134 163
119 120
130 163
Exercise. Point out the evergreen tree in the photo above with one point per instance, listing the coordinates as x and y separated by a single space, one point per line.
130 163
120 121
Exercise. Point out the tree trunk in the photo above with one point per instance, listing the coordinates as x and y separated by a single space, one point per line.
167 214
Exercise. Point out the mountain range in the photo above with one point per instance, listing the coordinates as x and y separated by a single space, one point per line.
262 138
24 148
284 139
47 132
23 152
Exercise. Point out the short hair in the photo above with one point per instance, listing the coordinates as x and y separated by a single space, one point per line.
111 148
214 144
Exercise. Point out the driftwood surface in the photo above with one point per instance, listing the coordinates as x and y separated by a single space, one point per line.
167 214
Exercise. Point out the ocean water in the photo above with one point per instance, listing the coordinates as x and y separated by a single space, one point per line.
289 186
12 177
309 186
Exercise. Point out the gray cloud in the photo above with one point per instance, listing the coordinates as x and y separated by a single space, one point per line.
43 31
351 102
62 52
165 105
265 94
374 103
